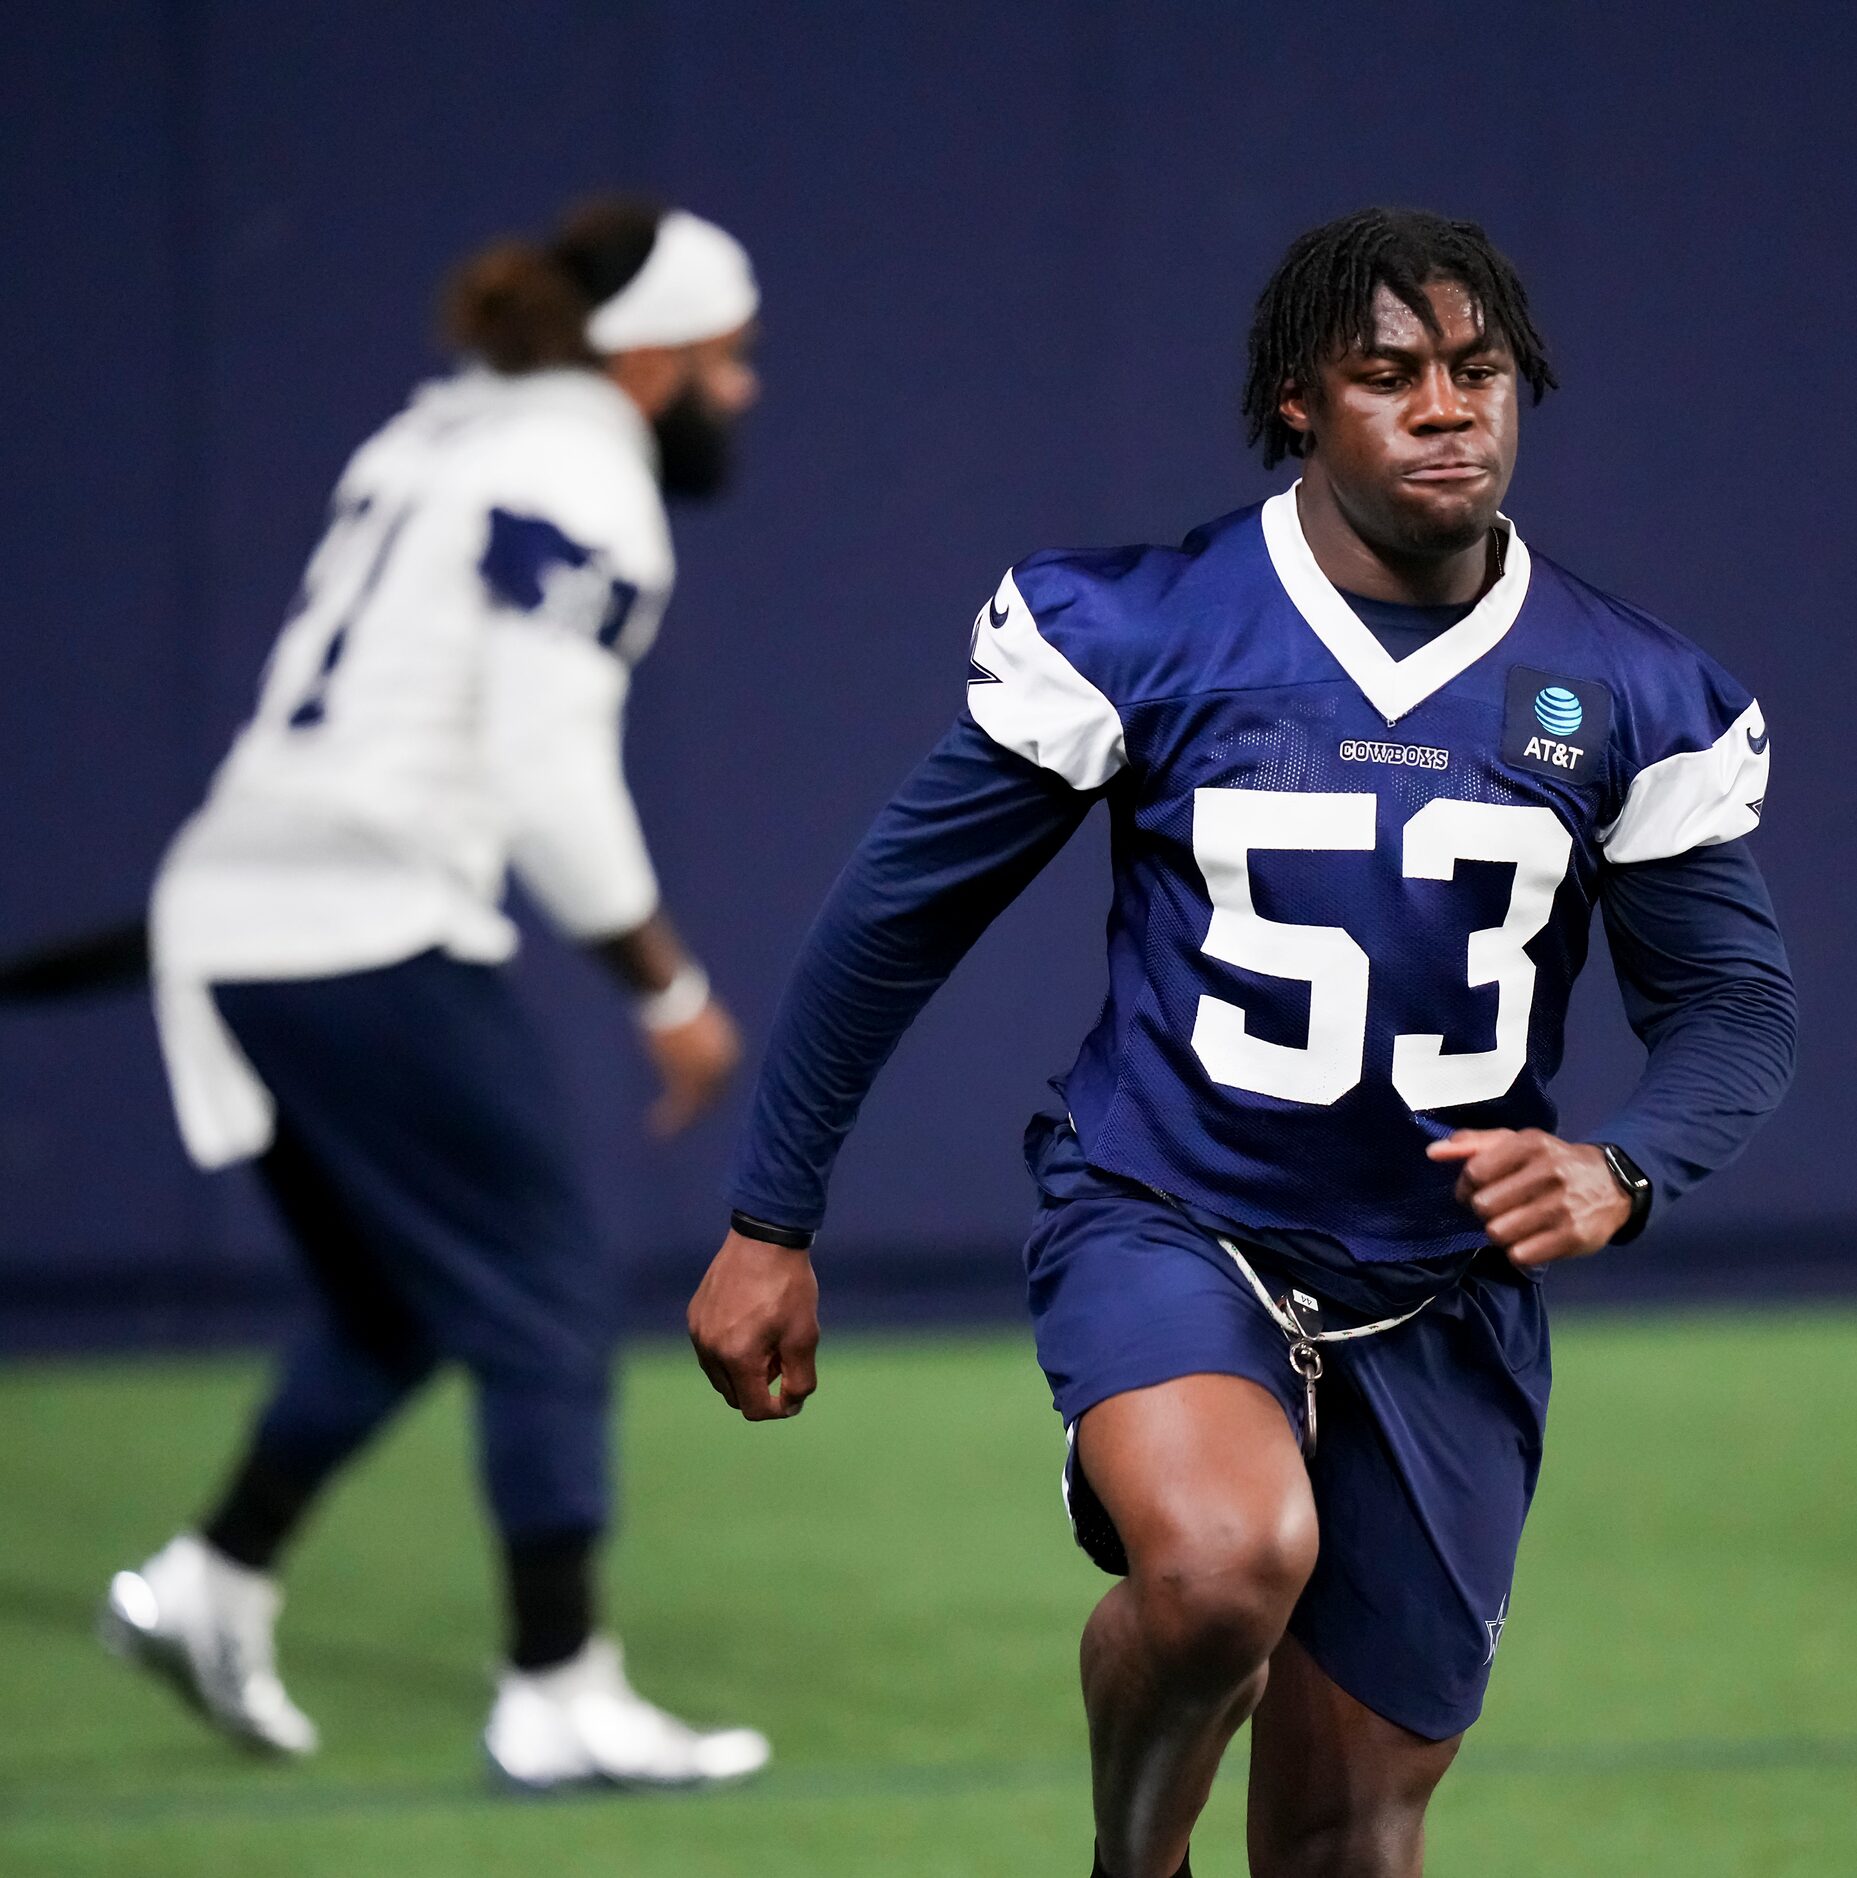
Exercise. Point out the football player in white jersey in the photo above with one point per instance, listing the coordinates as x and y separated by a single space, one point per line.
326 937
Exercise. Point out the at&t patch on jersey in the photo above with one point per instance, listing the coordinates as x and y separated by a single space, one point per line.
1556 726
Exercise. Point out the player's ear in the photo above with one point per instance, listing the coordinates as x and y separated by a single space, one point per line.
1293 404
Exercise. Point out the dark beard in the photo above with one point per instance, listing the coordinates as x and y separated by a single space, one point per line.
695 449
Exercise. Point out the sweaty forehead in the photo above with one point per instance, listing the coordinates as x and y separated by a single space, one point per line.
1396 327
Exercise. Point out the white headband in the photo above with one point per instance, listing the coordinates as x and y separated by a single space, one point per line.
696 283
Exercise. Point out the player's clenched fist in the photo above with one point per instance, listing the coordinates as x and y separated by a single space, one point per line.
1540 1198
755 1322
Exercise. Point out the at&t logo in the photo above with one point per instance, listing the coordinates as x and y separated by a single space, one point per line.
1558 710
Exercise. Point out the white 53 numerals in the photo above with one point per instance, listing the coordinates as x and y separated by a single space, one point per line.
1229 825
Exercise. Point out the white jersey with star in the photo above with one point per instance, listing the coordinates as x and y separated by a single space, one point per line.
444 703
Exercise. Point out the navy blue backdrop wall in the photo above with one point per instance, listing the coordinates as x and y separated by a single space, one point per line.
1007 254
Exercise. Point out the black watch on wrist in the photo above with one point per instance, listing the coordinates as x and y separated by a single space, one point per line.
1635 1184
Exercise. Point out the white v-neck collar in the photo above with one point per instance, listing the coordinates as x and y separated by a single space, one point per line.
1392 686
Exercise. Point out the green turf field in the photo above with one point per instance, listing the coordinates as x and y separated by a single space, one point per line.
887 1587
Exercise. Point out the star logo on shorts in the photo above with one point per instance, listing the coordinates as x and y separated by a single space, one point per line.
1494 1626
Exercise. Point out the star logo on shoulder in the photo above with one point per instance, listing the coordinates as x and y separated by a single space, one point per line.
1494 1626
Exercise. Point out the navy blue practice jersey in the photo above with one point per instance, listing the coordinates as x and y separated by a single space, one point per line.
1352 892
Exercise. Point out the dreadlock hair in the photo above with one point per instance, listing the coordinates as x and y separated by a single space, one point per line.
1319 302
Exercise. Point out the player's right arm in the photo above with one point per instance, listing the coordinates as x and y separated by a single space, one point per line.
963 837
967 832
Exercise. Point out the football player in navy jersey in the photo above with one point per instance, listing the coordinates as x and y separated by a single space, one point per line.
1369 766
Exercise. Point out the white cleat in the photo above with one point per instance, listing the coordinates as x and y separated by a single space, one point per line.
205 1624
581 1722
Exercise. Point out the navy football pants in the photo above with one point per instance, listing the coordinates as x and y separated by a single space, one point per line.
422 1166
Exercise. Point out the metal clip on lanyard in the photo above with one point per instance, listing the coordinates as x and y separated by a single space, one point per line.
1306 1339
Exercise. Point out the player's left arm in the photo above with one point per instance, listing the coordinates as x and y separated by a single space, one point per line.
559 614
555 721
1539 1197
1706 985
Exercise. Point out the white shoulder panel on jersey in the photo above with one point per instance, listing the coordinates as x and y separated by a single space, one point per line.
574 448
1031 700
1694 799
567 459
591 486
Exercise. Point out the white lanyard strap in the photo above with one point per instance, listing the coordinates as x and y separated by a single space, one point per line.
1278 1315
1293 1330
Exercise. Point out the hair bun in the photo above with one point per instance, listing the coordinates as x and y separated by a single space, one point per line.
517 308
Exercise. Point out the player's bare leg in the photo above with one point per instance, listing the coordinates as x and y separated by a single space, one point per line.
1336 1790
1206 1487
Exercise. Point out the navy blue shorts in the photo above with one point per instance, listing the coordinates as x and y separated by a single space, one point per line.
1429 1448
422 1102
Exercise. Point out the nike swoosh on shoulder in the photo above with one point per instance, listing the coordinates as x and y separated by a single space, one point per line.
978 674
997 615
1757 744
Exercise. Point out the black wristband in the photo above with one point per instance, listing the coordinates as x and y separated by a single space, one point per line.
794 1238
1635 1184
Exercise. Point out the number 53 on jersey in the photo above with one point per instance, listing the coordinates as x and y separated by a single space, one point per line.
1230 825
